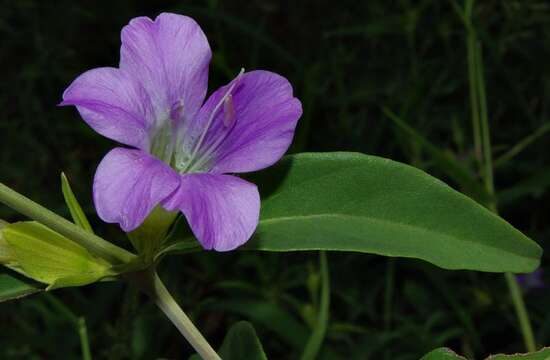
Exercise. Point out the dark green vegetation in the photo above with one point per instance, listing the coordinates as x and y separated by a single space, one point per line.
379 77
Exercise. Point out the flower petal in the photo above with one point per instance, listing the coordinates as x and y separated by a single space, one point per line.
222 210
113 104
256 125
128 184
170 58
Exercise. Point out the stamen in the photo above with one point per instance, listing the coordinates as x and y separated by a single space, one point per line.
218 106
229 121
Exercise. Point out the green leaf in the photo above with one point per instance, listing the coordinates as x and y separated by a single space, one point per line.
447 354
355 202
75 209
50 258
442 354
6 256
13 286
241 342
271 316
543 354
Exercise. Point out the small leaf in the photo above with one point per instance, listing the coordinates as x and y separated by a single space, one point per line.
75 209
448 354
543 354
50 258
442 354
241 342
13 286
270 315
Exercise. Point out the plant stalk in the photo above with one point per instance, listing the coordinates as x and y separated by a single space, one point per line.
84 342
96 245
521 312
149 282
482 141
474 98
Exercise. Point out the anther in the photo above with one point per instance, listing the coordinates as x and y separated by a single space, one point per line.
228 111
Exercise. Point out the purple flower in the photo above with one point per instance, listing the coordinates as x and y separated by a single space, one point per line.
181 148
534 280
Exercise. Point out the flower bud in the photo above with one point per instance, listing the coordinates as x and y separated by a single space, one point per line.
48 257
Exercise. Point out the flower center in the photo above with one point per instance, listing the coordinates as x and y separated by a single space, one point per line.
187 153
162 144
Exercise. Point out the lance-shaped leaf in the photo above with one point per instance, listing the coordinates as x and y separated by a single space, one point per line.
543 354
14 286
442 354
75 209
241 342
448 354
356 202
48 257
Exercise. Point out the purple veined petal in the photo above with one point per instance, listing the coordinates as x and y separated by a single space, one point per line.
170 58
222 210
113 104
128 184
254 128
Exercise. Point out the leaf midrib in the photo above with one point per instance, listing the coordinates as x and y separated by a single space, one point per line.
382 221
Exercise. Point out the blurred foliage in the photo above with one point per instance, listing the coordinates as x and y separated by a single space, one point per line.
352 63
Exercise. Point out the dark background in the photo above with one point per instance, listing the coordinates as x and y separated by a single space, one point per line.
347 61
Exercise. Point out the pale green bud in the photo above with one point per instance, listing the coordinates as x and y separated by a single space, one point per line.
6 255
48 257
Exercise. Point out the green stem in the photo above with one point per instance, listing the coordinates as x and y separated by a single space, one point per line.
78 322
318 334
474 100
485 129
93 243
521 312
84 342
520 146
149 282
481 121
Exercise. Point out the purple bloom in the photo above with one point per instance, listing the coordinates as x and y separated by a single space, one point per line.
532 280
182 148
